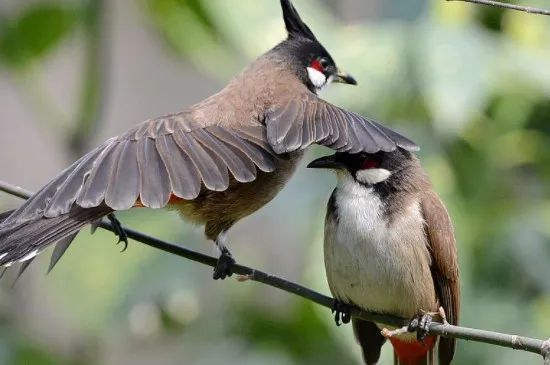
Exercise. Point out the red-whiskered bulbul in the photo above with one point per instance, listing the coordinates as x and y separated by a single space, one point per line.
215 163
389 247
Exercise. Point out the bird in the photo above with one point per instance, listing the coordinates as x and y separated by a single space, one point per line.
389 247
214 163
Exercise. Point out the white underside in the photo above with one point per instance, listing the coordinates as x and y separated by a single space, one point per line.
369 263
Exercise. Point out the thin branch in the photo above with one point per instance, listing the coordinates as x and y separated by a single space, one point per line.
446 330
526 9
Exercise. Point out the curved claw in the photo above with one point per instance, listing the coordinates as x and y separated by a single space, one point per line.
224 266
125 244
341 313
118 230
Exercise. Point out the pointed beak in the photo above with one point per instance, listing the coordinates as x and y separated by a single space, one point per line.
344 78
326 162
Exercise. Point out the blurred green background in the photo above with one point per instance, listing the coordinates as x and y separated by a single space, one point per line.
470 84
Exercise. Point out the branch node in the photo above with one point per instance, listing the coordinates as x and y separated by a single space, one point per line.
545 351
243 278
517 342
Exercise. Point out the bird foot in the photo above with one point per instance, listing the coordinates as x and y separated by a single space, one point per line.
119 231
224 265
443 316
421 325
341 312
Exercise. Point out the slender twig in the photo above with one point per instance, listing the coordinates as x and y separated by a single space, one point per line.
526 9
15 190
446 330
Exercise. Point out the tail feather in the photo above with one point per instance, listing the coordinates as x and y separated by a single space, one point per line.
22 241
370 339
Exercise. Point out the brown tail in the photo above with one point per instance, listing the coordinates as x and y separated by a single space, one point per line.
369 338
22 241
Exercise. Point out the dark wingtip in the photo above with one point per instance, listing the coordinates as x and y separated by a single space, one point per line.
295 26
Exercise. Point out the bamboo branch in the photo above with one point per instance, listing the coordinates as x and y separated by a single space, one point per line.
446 330
498 4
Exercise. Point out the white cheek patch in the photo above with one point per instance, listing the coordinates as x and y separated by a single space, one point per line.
318 79
372 176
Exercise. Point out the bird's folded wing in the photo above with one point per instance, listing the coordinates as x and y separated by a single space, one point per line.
440 234
160 158
310 120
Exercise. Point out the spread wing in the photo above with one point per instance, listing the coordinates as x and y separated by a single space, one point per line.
440 233
171 155
307 120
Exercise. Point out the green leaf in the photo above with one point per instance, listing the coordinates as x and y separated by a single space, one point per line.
34 33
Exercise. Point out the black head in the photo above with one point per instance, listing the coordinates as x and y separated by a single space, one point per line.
312 62
369 168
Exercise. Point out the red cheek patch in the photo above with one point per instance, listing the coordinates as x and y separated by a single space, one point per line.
317 65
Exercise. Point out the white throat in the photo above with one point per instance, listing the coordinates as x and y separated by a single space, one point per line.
318 79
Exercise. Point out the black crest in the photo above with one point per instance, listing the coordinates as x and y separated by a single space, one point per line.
294 24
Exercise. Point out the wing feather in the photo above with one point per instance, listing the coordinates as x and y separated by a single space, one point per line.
294 133
95 180
123 189
212 178
332 126
154 187
71 187
240 166
440 233
184 176
261 156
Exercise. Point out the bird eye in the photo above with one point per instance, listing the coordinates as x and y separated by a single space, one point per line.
324 63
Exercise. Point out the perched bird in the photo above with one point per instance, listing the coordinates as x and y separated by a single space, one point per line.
215 163
389 247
